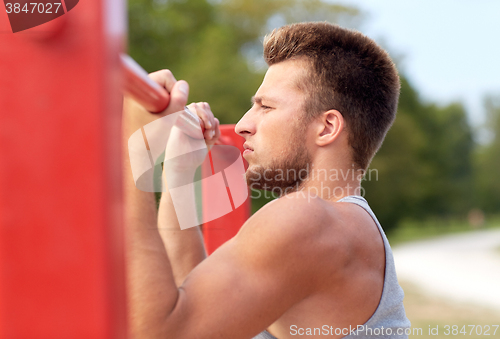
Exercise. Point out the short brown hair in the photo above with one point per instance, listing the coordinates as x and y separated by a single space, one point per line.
349 72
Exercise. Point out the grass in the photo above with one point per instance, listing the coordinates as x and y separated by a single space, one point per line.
418 230
428 312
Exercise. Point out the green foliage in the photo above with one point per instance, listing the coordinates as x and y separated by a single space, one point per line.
487 160
409 230
425 164
214 44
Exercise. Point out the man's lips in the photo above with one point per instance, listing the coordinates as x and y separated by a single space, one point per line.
247 148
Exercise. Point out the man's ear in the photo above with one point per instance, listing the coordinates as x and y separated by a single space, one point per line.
329 126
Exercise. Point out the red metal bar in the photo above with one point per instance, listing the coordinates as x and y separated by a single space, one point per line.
152 96
139 86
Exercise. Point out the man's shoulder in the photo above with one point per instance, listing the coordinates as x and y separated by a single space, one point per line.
296 213
300 223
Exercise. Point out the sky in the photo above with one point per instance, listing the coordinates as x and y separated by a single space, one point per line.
450 49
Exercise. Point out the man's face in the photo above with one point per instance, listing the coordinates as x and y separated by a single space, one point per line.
275 131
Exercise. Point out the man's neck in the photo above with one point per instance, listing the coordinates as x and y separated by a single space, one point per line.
333 183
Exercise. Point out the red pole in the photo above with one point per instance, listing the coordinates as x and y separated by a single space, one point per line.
137 84
61 241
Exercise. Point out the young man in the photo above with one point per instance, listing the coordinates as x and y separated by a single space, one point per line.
314 262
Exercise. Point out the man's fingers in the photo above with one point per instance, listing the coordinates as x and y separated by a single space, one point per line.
198 109
215 133
178 96
209 113
205 115
217 130
164 78
207 119
179 90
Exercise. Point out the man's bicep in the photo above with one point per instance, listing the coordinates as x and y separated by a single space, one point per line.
233 294
249 282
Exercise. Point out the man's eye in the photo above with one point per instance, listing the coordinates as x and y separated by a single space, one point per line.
265 107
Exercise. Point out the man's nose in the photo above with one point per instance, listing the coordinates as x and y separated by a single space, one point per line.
246 125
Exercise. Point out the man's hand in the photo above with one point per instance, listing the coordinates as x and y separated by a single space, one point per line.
209 122
135 116
184 152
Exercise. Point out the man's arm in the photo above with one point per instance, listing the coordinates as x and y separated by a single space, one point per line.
273 263
149 269
185 248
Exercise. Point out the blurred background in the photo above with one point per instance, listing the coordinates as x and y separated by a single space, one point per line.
437 171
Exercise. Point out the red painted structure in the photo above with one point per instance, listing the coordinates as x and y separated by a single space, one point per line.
218 231
61 241
61 227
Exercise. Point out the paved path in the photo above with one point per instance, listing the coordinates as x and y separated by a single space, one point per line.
463 267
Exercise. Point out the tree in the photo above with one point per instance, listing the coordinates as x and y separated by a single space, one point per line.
425 164
214 44
487 160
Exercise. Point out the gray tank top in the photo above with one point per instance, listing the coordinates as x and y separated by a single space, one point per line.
389 320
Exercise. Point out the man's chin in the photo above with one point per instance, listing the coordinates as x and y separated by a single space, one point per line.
253 174
277 180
